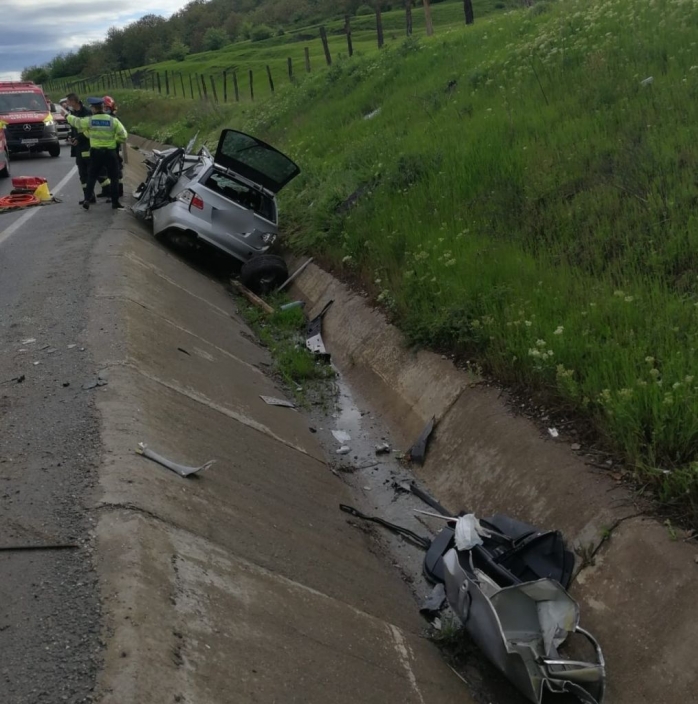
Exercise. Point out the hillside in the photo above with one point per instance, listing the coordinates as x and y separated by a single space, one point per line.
524 198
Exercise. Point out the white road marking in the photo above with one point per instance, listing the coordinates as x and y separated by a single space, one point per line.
6 234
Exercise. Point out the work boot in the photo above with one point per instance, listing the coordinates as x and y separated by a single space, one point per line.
117 206
86 204
92 200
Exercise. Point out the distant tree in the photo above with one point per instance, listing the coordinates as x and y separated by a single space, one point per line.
364 10
36 74
260 32
178 51
215 38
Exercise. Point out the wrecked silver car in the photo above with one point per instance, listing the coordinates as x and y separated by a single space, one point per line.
226 200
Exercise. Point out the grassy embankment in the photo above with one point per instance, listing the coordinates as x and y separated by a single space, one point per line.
527 199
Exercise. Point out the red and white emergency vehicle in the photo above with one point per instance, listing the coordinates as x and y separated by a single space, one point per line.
26 116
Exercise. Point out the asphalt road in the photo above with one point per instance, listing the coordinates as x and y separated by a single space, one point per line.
49 443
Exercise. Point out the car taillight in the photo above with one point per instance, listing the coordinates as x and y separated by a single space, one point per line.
191 199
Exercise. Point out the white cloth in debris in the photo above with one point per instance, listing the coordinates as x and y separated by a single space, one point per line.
469 532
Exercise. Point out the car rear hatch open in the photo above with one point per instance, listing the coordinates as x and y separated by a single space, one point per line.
254 160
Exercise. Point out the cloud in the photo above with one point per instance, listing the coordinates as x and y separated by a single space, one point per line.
33 31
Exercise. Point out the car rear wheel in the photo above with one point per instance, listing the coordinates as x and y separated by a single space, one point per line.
263 274
5 172
54 150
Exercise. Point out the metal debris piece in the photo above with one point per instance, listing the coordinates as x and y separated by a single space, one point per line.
553 433
418 540
19 379
344 450
434 603
313 335
341 436
383 449
29 341
418 451
180 469
271 401
49 546
292 305
94 384
72 347
181 349
295 274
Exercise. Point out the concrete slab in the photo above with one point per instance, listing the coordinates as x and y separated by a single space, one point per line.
245 584
192 622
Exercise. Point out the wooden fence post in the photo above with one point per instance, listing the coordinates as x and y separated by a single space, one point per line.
289 61
427 17
325 46
198 86
191 86
236 87
307 59
203 86
251 85
159 84
181 80
408 17
213 88
468 7
271 80
225 86
347 31
174 84
379 24
167 83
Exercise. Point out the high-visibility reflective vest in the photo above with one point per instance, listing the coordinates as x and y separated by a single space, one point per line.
104 131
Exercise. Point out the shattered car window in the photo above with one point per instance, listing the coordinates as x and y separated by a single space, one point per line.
257 156
242 195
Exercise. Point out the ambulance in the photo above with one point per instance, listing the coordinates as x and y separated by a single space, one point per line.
26 116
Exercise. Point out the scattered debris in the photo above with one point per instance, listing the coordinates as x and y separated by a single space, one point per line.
180 469
468 532
29 341
383 449
72 347
271 401
575 447
251 297
553 433
292 305
372 114
183 351
36 364
418 540
401 487
66 384
312 430
344 450
18 379
647 81
295 274
518 610
313 339
434 603
94 384
418 451
341 436
49 546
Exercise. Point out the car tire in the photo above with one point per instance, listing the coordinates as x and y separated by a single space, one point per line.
55 150
5 173
263 274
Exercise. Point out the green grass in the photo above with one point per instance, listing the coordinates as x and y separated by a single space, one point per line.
282 333
525 202
243 57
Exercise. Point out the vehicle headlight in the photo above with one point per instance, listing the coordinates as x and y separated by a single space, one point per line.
48 120
268 238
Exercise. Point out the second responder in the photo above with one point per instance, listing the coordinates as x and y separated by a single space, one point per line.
110 109
105 133
80 148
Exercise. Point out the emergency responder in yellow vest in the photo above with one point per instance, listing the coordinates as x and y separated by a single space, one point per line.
110 108
80 149
105 133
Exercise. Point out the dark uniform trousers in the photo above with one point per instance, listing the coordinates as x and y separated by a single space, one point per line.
101 160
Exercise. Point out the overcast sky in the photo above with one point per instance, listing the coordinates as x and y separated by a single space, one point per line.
34 31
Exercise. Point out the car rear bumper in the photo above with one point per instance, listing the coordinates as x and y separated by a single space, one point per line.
176 216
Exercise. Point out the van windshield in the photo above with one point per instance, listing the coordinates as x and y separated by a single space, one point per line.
23 101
